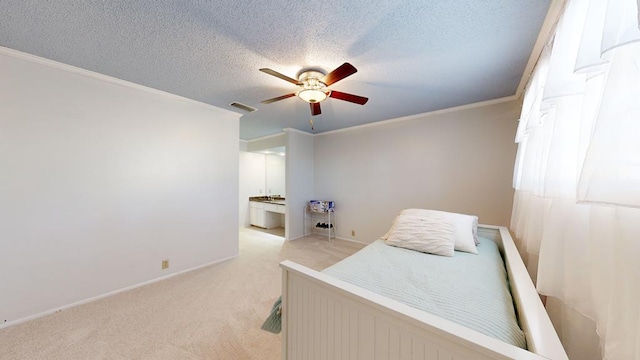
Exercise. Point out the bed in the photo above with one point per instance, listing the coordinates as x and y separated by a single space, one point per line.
326 317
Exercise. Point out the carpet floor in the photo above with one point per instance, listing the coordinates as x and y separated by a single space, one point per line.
210 313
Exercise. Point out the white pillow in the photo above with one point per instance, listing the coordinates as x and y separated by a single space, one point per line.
466 227
433 235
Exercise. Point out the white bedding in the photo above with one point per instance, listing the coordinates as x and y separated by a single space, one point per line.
469 289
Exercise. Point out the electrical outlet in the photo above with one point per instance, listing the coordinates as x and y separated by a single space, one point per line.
165 264
353 233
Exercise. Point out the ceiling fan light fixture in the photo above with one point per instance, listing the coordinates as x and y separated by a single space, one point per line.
312 95
313 89
314 83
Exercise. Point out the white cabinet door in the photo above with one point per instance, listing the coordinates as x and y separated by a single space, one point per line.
253 216
260 218
256 214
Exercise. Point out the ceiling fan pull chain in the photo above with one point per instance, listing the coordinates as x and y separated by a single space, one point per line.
311 122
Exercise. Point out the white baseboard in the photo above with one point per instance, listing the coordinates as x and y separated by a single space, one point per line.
353 240
110 293
333 238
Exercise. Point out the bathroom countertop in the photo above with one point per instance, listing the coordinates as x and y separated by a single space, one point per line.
269 199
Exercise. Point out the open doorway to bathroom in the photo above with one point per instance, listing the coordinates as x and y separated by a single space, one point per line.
262 197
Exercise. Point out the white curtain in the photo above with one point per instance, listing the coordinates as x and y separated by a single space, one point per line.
576 212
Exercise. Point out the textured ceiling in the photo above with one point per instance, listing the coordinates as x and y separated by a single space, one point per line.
412 56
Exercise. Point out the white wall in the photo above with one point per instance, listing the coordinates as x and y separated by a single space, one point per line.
101 180
460 160
266 142
299 183
252 182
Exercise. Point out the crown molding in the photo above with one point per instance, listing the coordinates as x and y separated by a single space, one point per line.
298 131
400 119
106 78
422 115
553 15
265 137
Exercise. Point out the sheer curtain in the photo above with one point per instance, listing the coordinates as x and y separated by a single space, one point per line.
576 212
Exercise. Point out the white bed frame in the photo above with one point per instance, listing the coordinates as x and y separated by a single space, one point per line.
326 318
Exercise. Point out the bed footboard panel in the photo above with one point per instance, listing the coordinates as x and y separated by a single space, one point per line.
325 318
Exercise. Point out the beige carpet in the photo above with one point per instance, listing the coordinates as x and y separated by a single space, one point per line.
210 313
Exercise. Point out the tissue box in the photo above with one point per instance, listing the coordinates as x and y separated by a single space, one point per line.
320 206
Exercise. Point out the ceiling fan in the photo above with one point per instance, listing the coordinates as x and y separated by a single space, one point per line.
315 83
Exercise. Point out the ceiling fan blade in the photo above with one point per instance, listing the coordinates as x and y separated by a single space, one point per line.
278 98
338 74
348 97
281 76
315 109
